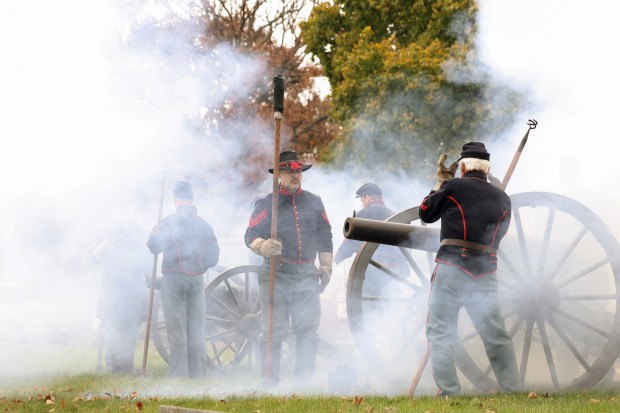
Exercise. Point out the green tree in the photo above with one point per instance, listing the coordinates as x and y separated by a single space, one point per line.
406 84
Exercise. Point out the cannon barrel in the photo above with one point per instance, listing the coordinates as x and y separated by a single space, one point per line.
392 233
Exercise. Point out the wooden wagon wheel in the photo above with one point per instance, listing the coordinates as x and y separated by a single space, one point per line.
559 273
232 319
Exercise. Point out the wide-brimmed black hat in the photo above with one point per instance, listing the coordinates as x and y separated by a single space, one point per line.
475 150
368 189
290 161
183 190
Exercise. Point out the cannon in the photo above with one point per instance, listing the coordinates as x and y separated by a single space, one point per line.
558 272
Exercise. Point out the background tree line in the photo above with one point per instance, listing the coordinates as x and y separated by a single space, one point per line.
405 80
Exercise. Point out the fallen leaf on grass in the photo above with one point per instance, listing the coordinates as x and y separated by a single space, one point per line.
595 401
62 402
489 411
357 400
532 395
133 395
139 405
370 409
48 401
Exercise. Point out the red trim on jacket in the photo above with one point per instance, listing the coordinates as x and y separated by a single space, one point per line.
462 216
258 218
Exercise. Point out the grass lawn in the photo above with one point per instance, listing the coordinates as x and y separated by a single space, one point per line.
53 387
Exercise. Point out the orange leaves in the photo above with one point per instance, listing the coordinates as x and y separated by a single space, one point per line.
357 400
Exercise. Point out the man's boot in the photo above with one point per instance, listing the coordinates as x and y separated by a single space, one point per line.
305 356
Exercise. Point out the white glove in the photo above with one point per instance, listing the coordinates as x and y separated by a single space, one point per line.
325 269
267 247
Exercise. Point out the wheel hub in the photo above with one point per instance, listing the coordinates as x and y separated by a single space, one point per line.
250 326
536 300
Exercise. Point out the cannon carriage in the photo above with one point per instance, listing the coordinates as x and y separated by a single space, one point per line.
559 280
559 274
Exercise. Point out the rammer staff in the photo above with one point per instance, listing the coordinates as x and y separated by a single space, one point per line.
149 315
278 109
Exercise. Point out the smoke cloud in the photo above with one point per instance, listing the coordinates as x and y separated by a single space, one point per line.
100 100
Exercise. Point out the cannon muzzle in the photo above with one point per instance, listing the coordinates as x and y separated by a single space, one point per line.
392 233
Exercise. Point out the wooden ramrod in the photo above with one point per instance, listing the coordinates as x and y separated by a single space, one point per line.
392 233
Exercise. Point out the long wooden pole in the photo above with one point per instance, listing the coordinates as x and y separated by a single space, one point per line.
531 125
149 315
418 373
278 107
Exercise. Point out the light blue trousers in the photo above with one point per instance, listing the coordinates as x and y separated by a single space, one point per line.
451 290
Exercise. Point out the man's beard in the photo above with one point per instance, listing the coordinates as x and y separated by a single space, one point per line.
293 187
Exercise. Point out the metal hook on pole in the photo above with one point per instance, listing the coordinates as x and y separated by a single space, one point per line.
531 123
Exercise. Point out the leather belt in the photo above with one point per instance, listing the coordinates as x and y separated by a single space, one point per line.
469 244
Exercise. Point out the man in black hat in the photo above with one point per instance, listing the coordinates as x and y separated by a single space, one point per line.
303 232
190 248
475 216
374 207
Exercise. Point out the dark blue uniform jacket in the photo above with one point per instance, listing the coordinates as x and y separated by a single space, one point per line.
386 255
471 209
187 241
303 226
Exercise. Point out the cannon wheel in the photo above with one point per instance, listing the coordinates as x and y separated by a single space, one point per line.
232 319
559 274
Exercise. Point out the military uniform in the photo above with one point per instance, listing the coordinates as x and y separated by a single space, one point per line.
190 248
304 231
376 281
122 307
471 210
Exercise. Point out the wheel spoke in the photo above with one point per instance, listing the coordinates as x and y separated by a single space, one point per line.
590 297
547 347
395 276
568 343
216 355
584 324
545 243
416 268
568 252
506 262
217 300
522 244
220 334
234 296
527 342
584 272
229 345
219 320
383 298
